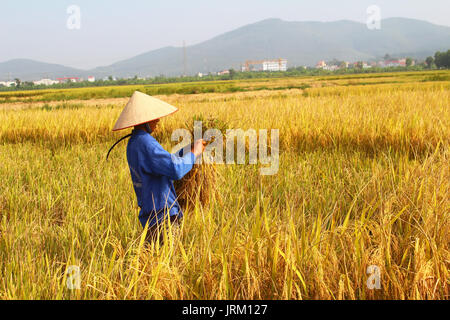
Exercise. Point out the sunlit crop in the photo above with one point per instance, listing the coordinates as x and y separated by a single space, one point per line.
363 180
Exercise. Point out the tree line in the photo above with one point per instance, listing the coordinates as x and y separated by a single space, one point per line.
441 60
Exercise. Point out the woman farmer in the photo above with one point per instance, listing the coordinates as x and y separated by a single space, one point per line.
152 168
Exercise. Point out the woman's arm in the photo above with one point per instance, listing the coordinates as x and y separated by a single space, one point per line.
159 161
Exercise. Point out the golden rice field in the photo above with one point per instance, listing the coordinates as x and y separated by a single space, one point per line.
364 179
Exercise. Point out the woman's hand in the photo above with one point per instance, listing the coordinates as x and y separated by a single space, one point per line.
199 147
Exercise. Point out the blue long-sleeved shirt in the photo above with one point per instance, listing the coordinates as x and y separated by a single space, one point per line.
153 170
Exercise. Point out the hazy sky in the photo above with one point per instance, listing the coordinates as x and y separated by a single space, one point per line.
112 30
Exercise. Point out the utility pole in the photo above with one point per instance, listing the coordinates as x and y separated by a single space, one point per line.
184 59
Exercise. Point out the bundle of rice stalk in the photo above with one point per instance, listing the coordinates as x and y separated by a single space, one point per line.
197 185
200 183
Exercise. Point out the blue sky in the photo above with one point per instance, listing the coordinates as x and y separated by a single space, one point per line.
112 30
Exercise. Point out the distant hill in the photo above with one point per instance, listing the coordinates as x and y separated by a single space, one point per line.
302 43
27 70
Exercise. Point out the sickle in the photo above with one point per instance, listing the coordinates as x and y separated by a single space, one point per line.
149 130
127 136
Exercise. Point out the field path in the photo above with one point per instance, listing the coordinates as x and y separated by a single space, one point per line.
92 102
168 98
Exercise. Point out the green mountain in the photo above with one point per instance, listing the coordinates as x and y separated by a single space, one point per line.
301 43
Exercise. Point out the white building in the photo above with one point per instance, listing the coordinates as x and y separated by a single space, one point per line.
224 72
7 83
68 79
265 65
91 79
331 68
275 65
45 82
321 64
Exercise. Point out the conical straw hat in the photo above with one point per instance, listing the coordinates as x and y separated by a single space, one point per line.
142 108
